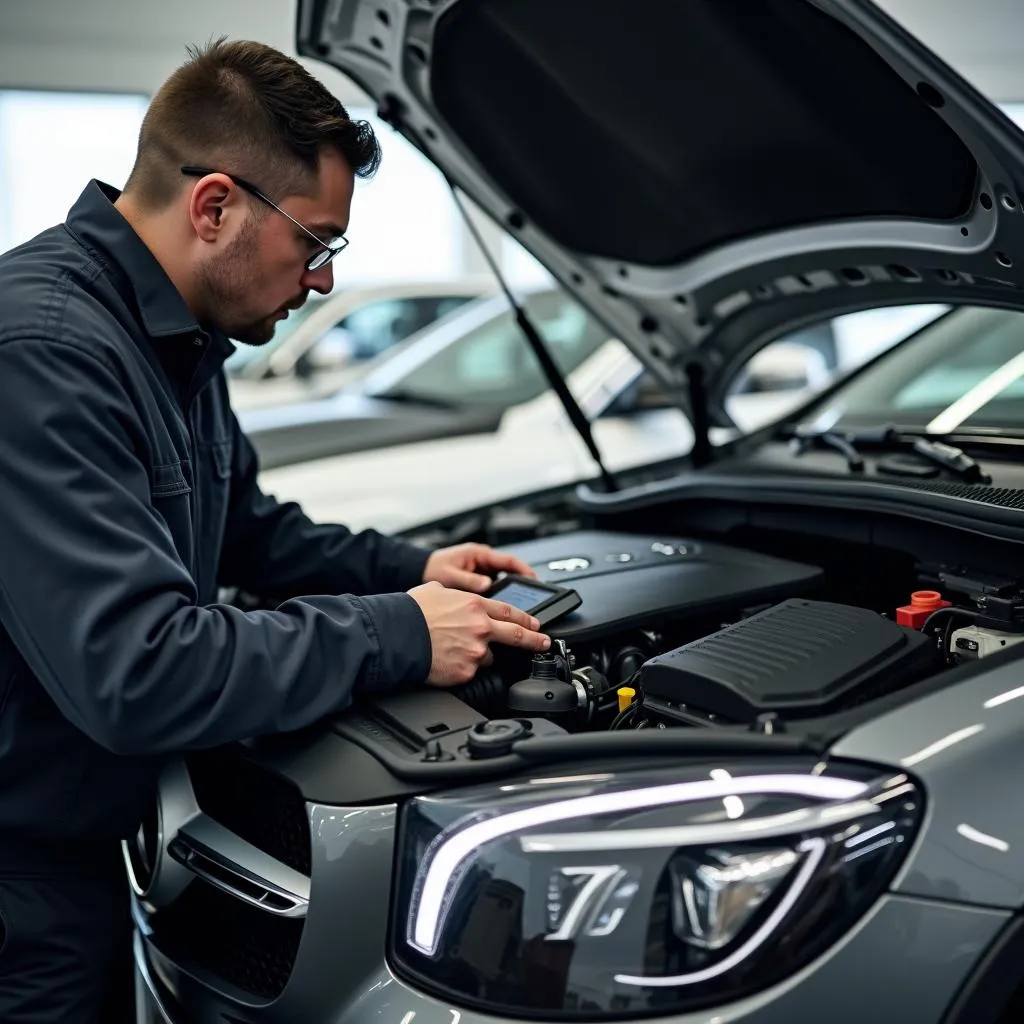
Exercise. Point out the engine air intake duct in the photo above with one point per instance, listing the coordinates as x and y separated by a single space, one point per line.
798 658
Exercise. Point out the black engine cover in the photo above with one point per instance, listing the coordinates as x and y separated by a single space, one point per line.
628 581
798 658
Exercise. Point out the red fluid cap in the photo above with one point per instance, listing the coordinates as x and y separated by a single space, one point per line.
922 604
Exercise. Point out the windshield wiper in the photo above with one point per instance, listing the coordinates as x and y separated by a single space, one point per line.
956 460
886 438
802 442
409 396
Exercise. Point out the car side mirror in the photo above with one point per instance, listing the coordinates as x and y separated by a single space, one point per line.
643 395
331 352
304 368
782 366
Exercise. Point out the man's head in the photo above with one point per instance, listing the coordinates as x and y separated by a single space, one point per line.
244 162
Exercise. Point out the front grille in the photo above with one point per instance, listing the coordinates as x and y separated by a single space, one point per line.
212 932
255 804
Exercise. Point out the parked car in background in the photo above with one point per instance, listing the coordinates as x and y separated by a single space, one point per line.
529 446
460 377
456 376
944 356
322 345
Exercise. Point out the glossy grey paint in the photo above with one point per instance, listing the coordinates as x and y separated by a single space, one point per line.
346 927
964 745
934 945
361 416
341 975
342 949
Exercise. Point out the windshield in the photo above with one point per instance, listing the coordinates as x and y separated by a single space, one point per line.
490 364
964 370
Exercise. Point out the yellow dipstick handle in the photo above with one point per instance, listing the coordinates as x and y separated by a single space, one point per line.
626 695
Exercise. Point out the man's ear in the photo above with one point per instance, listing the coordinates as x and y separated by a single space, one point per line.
214 201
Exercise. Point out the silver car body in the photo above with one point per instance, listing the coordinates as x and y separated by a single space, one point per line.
956 892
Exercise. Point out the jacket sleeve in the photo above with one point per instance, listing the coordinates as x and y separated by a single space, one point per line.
273 549
97 601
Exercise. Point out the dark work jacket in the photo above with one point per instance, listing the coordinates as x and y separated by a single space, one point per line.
128 496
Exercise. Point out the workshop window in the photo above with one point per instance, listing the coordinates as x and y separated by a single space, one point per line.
51 145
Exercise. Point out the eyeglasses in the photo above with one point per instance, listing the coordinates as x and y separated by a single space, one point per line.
326 250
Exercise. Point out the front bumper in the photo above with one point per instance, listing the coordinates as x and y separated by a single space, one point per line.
907 960
904 964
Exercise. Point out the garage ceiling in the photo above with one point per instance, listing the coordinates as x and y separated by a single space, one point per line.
982 39
112 23
113 45
96 44
978 27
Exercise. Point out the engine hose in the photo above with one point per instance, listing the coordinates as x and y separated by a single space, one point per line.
487 694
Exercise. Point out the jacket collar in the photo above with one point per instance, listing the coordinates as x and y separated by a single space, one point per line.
98 225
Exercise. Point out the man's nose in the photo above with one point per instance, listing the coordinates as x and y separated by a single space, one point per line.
321 280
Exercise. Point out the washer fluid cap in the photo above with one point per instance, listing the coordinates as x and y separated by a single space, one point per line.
496 738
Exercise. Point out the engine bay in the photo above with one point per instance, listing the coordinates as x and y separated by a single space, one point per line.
748 636
641 598
677 632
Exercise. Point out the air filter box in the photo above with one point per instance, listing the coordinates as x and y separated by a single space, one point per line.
798 658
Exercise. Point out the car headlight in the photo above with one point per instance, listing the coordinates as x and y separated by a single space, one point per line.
638 893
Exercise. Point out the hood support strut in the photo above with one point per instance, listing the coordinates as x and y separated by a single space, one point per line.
390 111
578 420
701 423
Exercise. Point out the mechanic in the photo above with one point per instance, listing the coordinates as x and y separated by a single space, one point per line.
130 497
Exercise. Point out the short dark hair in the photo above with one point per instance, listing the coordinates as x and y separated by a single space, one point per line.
250 110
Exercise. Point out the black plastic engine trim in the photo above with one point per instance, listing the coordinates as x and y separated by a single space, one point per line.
1001 523
797 659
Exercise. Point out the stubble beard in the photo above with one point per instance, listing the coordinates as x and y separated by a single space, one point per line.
227 282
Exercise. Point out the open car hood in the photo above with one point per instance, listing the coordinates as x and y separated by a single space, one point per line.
703 175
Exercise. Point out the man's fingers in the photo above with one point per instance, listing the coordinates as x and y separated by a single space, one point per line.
463 579
520 567
514 635
502 612
499 561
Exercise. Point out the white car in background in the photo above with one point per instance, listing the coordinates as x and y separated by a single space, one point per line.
323 345
460 414
534 446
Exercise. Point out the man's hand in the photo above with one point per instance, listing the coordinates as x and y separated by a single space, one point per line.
462 625
471 566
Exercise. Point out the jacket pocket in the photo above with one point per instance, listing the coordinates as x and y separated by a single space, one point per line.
171 497
171 479
213 494
220 451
